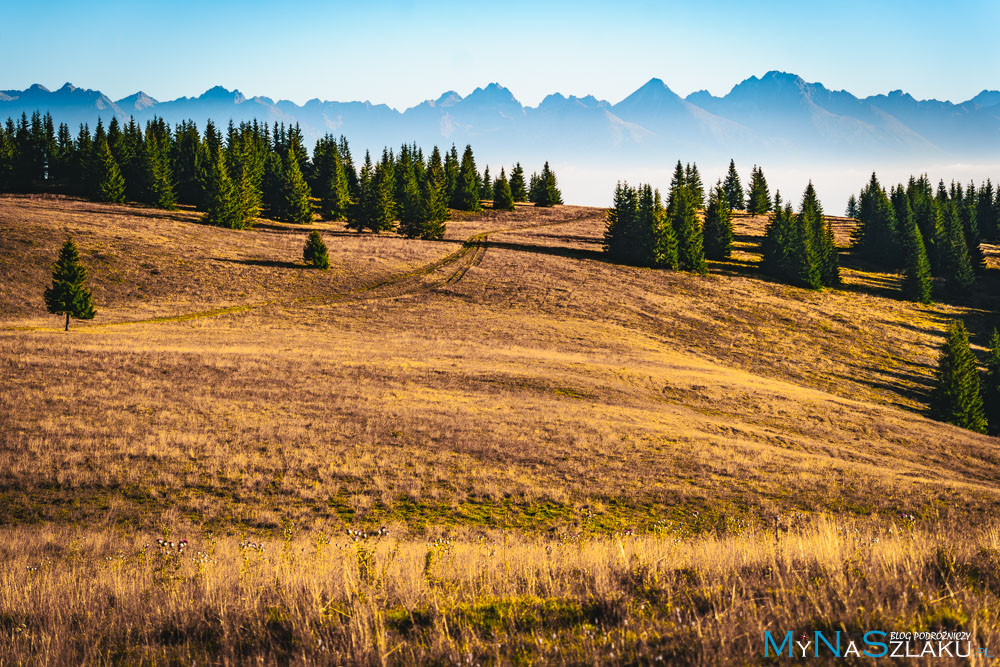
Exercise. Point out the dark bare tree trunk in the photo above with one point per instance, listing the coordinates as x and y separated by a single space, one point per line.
67 321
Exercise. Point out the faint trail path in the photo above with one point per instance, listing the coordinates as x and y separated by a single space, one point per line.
443 272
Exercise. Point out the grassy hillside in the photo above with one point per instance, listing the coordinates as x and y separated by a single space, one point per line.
573 458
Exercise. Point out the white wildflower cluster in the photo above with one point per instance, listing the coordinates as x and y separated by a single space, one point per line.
356 535
164 544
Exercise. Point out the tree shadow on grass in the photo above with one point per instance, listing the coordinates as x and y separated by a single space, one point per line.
276 228
906 385
271 263
556 251
138 210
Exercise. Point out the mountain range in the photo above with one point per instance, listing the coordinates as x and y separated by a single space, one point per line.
778 116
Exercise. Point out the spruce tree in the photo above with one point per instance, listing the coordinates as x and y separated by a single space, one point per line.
154 163
758 196
186 156
694 185
930 221
966 206
466 194
344 151
678 182
315 253
221 203
6 161
486 189
645 226
733 188
991 384
618 231
434 208
503 200
956 266
788 251
534 188
684 219
547 191
518 187
272 186
876 237
820 235
957 399
295 204
986 213
451 171
665 248
246 170
362 208
336 199
82 163
403 168
804 266
852 207
435 169
917 282
718 228
638 231
110 186
383 206
411 208
682 216
68 294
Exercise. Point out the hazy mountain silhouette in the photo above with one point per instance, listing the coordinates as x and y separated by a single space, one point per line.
776 117
778 112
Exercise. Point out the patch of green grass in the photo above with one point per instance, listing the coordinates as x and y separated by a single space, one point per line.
498 616
571 393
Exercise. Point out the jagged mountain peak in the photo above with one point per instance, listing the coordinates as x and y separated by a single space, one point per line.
137 102
493 95
222 94
986 98
654 95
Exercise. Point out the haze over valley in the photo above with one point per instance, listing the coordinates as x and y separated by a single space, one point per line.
796 130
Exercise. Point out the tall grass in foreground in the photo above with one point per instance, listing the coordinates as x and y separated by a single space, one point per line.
81 597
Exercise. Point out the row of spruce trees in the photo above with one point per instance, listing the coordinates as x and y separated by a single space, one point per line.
927 233
931 236
642 230
256 170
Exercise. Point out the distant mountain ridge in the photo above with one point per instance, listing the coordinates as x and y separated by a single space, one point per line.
775 115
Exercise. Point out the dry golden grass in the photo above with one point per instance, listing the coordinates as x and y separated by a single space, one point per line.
663 597
511 382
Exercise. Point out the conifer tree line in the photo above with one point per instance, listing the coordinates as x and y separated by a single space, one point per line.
644 230
255 170
927 232
930 235
962 395
799 248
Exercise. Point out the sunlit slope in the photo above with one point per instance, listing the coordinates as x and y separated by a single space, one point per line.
514 379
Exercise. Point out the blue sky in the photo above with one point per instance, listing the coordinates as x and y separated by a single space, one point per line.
406 51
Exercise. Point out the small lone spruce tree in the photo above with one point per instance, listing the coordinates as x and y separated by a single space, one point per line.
68 294
315 253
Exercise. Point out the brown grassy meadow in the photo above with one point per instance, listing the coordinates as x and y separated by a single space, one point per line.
577 462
